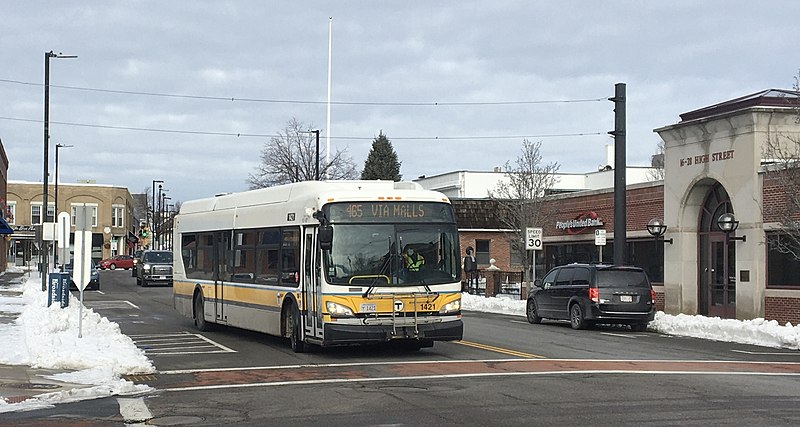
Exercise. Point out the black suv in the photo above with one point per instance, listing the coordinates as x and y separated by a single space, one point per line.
154 267
586 294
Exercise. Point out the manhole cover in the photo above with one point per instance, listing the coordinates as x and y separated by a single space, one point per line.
32 386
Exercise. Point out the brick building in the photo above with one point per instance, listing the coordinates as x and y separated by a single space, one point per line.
713 165
113 216
5 230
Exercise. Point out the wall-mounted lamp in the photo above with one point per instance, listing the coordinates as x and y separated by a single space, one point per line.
728 223
657 228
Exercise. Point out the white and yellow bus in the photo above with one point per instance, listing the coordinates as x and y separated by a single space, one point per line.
323 262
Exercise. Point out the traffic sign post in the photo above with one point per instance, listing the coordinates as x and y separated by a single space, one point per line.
62 236
533 242
533 239
82 262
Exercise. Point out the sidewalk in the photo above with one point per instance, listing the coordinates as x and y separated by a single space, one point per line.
20 383
44 361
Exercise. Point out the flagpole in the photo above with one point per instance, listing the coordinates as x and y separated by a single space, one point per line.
328 120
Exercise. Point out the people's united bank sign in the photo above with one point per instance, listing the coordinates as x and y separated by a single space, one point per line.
580 223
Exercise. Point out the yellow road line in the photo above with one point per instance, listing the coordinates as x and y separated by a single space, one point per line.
500 350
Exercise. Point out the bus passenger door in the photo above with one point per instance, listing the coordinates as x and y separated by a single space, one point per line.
311 286
222 244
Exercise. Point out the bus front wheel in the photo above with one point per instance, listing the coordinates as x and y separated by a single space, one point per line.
295 334
199 313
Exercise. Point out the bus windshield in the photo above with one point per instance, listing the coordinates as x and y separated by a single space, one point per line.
393 254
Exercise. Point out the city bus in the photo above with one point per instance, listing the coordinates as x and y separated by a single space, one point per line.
323 263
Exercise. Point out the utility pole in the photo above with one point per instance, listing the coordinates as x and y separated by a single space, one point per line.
620 168
43 246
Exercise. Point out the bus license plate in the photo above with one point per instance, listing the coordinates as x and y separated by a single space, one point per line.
368 308
626 298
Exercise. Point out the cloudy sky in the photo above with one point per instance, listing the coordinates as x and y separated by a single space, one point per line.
160 90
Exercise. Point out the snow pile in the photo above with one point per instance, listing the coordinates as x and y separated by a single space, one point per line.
767 333
492 305
757 331
47 337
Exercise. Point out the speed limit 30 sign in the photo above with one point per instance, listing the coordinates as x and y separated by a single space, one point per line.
533 239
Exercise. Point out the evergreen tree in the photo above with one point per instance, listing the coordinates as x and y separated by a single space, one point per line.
382 161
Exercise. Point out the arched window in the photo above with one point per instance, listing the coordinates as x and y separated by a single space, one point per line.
717 203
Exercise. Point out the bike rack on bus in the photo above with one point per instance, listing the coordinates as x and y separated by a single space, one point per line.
415 297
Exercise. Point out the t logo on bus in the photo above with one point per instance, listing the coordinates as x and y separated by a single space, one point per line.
398 305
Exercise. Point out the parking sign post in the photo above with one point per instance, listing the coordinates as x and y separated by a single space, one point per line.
600 241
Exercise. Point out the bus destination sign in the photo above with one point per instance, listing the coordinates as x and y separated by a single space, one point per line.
389 211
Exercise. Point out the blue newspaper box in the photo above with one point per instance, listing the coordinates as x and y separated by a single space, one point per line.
58 288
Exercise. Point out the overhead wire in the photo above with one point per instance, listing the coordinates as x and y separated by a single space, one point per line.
290 101
260 135
285 101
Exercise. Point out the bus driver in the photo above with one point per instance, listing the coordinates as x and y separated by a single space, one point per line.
413 260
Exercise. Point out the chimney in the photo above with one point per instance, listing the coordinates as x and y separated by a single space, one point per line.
610 155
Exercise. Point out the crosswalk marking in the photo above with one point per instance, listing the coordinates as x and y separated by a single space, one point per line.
178 343
133 410
110 305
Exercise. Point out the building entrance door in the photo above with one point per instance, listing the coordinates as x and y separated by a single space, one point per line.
718 277
717 256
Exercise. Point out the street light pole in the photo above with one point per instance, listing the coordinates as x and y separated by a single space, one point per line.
316 164
157 220
153 206
164 236
43 250
55 196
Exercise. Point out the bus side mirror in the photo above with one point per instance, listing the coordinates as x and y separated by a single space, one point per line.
325 237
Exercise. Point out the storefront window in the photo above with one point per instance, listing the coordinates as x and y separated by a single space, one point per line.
646 254
783 267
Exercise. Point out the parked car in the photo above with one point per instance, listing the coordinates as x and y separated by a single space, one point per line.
136 257
115 262
586 294
154 267
94 277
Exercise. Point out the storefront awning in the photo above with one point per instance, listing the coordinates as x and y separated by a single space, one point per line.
4 227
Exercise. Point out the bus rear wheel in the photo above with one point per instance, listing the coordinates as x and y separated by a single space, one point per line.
295 334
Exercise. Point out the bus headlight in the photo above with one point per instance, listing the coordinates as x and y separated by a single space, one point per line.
451 307
338 310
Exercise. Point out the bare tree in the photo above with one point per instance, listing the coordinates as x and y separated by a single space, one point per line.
657 163
782 158
520 198
291 157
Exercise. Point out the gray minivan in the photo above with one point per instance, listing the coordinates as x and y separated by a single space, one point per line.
586 294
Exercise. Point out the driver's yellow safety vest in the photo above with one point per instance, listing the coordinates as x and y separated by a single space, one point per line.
414 262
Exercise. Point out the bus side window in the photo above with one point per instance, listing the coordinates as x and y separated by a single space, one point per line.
267 266
290 257
267 247
189 254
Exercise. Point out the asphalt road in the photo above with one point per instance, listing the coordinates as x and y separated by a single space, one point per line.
504 372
